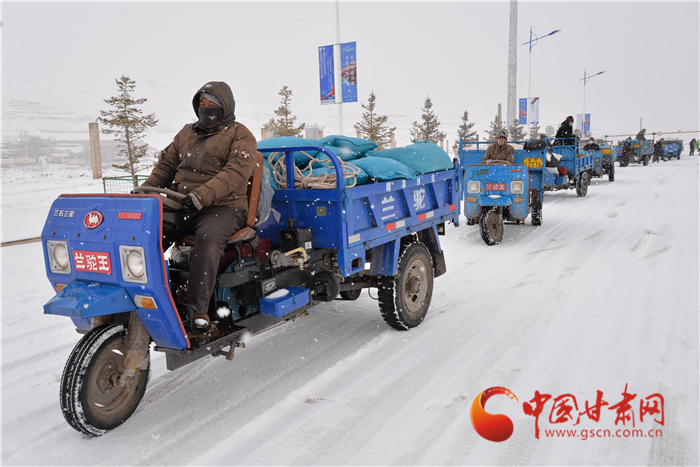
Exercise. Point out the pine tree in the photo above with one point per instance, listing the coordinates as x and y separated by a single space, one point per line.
516 131
373 127
429 129
496 126
128 125
534 131
464 132
284 125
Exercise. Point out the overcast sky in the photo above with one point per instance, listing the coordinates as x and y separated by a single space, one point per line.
60 61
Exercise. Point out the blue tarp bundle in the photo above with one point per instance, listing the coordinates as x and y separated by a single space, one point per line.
423 157
376 166
382 169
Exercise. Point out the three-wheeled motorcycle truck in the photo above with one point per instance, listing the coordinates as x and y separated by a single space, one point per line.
603 162
104 258
639 151
495 193
575 168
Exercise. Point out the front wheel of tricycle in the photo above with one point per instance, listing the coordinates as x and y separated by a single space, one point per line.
536 216
491 226
404 299
92 400
611 172
646 160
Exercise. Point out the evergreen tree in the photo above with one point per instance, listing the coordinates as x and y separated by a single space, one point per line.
516 131
284 125
429 129
465 132
127 124
373 127
534 131
495 126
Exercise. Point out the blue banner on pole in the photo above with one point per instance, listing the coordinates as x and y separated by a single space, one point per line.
348 62
325 69
523 112
587 124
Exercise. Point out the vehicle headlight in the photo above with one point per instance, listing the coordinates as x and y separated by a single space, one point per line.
473 187
59 256
133 264
517 187
134 261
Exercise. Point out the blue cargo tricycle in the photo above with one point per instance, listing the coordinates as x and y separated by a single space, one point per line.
633 150
603 162
103 256
497 193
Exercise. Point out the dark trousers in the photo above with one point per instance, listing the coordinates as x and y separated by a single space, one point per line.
212 228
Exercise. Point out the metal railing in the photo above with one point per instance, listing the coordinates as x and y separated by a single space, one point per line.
122 184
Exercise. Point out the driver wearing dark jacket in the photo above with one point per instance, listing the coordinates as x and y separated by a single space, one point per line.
210 161
499 153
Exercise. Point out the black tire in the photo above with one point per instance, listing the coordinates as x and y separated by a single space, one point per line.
90 401
624 163
490 227
645 161
611 172
404 299
536 216
582 184
350 294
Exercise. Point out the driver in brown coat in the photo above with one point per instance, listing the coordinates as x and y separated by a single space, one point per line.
210 161
499 153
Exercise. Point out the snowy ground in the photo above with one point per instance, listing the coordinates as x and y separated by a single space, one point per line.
602 296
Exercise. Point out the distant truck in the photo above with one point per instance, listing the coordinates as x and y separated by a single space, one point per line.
603 160
634 150
673 148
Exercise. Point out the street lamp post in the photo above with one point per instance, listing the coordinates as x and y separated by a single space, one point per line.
585 79
532 42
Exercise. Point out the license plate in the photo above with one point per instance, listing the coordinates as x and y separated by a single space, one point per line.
533 162
495 186
92 261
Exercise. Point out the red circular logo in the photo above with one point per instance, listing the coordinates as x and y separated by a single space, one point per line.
93 219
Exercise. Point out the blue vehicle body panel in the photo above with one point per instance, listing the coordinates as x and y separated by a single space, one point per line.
89 293
573 161
364 217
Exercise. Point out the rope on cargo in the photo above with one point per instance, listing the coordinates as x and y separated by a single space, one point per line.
326 181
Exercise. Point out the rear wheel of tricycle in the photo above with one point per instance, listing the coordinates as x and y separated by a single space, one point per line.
92 400
646 160
491 226
611 172
405 298
582 184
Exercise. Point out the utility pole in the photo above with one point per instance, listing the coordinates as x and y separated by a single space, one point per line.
95 155
338 69
512 103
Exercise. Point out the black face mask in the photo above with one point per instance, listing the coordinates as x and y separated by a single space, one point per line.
210 116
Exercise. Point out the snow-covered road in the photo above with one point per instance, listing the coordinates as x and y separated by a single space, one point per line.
603 296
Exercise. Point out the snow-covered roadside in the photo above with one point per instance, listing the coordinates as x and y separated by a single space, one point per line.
603 295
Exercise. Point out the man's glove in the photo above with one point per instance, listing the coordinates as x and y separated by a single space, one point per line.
191 202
